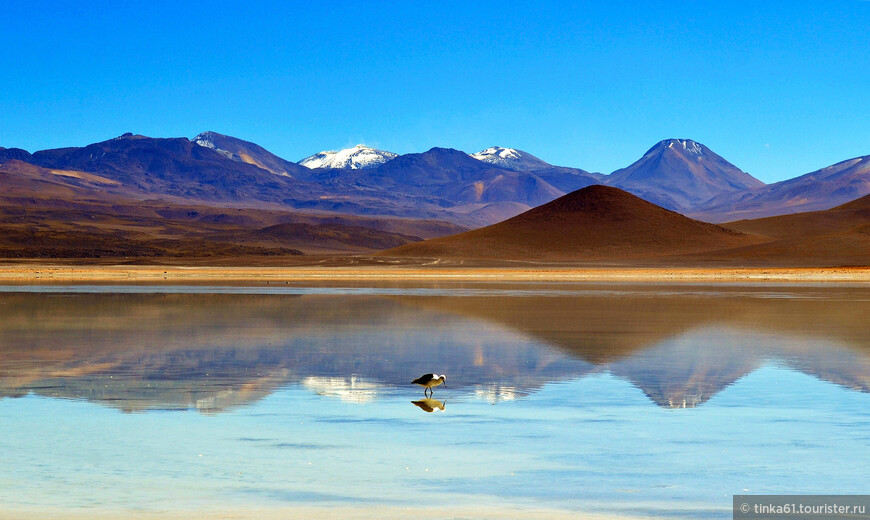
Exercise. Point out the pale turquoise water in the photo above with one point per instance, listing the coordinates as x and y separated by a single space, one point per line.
640 400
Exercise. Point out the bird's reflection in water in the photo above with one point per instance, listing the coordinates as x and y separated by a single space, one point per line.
430 405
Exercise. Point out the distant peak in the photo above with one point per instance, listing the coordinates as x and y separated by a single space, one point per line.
129 136
510 159
355 158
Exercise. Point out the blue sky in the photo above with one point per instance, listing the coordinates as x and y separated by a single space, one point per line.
777 88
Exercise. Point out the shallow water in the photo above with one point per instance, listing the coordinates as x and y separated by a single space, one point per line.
637 400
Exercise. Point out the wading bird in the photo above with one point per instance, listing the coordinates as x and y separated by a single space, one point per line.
428 381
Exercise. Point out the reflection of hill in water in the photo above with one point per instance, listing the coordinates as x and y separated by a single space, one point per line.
683 346
213 352
612 322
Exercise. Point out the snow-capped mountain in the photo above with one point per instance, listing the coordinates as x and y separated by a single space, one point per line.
359 157
510 159
681 174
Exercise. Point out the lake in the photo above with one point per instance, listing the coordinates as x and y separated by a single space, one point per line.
642 401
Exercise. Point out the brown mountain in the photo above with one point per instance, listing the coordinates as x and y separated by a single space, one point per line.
681 174
818 190
847 218
597 222
837 236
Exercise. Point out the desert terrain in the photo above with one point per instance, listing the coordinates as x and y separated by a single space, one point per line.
69 226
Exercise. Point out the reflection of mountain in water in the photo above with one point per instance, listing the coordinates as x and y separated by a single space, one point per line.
687 370
681 346
213 352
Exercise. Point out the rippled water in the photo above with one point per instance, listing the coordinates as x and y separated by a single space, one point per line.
634 400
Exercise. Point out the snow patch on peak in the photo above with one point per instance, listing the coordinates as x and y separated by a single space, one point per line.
357 158
686 145
691 146
206 140
504 153
510 159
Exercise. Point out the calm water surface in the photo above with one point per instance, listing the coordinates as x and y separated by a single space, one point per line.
633 400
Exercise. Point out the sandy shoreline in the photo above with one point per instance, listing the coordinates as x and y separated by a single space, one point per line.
48 274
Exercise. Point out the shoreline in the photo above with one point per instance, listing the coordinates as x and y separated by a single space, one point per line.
39 274
374 512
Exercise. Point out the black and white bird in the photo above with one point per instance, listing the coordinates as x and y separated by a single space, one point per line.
428 381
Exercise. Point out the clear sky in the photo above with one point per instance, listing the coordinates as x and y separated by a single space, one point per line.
777 88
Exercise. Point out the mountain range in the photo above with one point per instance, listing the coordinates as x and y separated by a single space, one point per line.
440 189
216 169
473 190
51 213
